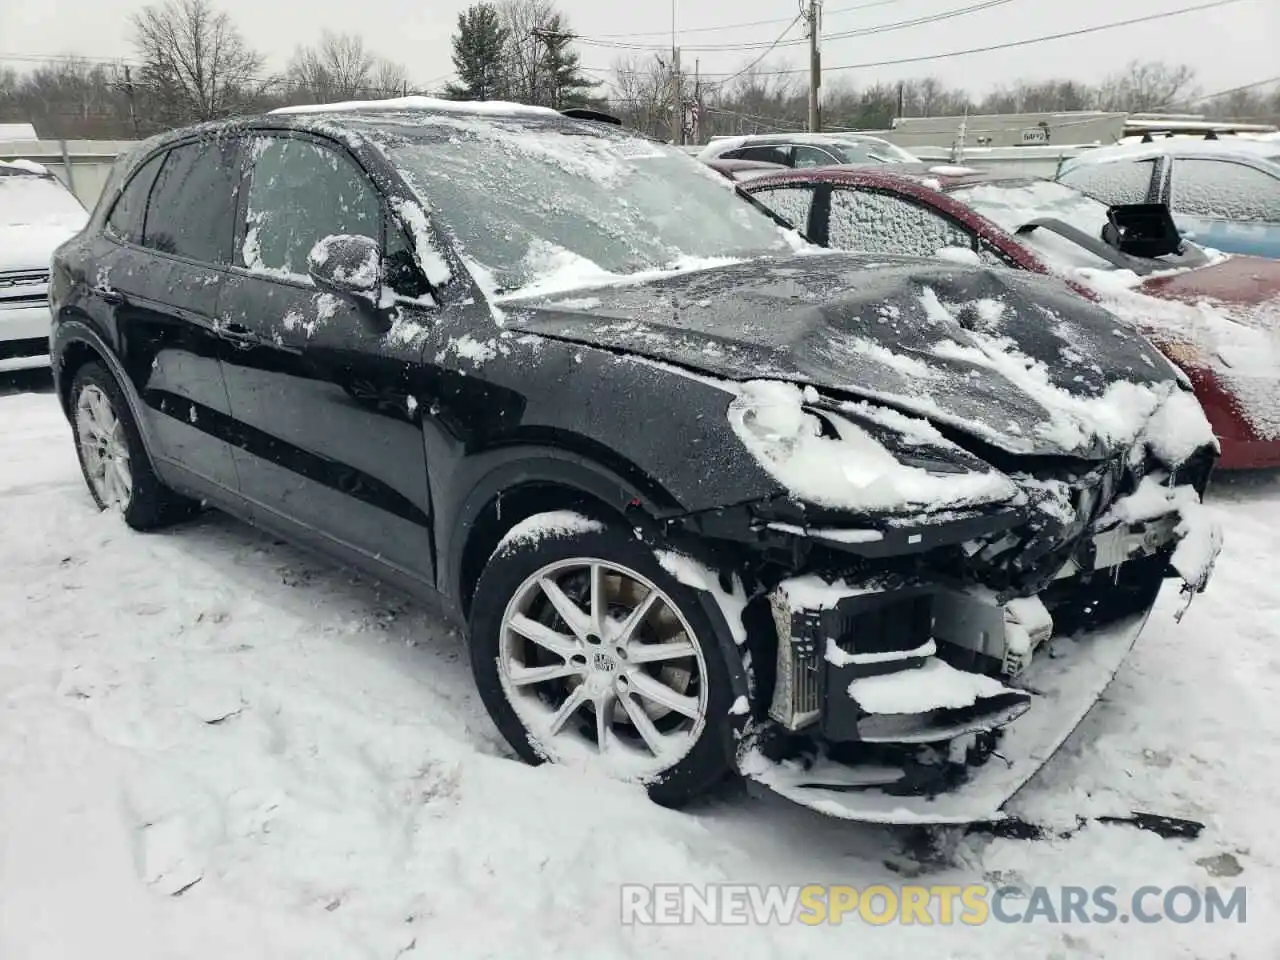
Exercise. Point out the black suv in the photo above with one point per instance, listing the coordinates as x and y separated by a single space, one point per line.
706 498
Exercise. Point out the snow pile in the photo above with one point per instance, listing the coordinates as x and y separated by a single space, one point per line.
699 576
1240 344
841 658
935 686
1199 535
434 266
362 274
811 592
1118 417
851 470
426 104
26 166
554 523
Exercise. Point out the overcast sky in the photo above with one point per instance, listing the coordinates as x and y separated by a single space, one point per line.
1229 46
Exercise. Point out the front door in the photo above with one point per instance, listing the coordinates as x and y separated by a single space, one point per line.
328 434
165 255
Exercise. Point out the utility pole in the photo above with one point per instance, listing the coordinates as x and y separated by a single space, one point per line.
128 89
697 100
814 18
677 85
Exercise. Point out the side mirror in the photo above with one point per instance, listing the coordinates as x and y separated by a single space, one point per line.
350 267
1142 230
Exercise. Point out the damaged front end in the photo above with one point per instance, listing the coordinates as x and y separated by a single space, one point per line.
923 669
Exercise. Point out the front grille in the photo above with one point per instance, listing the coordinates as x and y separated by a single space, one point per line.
23 287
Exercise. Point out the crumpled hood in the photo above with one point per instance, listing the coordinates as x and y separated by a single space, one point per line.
1014 359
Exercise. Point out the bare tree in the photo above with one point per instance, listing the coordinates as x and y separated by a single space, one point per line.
1147 86
196 65
523 21
340 67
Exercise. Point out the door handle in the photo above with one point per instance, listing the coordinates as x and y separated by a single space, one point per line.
107 295
238 335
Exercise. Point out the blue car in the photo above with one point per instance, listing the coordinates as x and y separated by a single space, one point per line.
1224 193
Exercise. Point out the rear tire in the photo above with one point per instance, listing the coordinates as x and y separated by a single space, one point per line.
112 456
659 681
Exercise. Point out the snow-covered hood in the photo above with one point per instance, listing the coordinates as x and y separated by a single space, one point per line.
1016 360
31 246
37 215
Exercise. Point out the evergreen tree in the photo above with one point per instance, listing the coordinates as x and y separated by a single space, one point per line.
478 47
563 82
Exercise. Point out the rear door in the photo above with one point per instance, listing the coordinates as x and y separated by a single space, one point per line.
166 253
328 437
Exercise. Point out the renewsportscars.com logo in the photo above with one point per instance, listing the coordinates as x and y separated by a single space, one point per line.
971 905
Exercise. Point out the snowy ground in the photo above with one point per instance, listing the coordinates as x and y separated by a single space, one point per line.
213 746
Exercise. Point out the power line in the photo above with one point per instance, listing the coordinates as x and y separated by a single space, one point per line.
735 26
754 63
859 32
1011 44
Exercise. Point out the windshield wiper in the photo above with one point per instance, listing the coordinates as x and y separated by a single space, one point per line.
1097 247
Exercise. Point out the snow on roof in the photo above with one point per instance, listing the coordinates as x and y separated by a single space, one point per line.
428 104
18 131
27 166
1180 146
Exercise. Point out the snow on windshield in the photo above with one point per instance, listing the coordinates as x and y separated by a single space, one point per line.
546 205
1011 205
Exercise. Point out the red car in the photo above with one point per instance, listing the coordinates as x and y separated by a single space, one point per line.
1216 317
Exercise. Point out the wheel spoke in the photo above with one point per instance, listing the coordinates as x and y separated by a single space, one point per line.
651 689
573 615
576 699
643 724
654 652
543 636
522 676
599 612
627 629
604 721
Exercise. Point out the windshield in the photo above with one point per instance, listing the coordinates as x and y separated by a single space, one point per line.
539 205
1013 203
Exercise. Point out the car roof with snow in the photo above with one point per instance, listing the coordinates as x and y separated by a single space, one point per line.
1222 149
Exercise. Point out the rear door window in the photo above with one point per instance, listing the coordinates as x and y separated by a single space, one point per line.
301 191
878 222
192 208
1225 190
769 154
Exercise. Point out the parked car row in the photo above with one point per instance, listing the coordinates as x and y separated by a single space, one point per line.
1218 318
707 498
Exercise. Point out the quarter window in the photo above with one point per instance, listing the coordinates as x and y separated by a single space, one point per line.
129 213
299 193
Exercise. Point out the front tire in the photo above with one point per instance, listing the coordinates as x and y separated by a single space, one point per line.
112 457
585 650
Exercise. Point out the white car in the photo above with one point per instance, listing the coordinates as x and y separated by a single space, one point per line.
807 149
37 213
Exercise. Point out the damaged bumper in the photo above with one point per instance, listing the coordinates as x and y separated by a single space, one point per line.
935 701
1057 691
